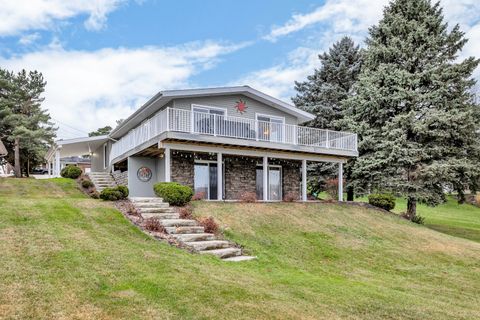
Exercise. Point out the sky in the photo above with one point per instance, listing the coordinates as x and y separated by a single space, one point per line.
102 59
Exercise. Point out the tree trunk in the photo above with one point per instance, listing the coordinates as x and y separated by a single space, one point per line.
350 193
28 168
461 196
18 170
411 208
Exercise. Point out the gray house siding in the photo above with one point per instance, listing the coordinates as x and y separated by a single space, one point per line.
97 158
229 102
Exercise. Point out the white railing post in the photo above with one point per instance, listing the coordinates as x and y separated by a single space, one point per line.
215 125
328 144
168 119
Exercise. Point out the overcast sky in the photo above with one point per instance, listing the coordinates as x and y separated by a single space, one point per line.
103 58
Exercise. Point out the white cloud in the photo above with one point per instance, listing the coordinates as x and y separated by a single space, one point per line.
17 16
28 39
353 18
87 90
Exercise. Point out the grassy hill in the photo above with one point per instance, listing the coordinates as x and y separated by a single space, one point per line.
66 256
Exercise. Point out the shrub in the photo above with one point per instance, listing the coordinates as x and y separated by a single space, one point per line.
94 194
209 224
124 191
153 224
72 172
87 184
185 212
248 197
173 193
331 187
198 196
382 200
112 194
418 219
291 196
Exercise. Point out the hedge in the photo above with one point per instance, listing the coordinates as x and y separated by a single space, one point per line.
382 200
174 193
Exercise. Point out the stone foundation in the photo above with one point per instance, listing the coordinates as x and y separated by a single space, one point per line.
121 178
240 176
181 166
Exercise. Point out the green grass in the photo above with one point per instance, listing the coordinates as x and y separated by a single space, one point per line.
67 256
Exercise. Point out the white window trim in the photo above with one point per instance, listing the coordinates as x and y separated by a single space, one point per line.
268 178
194 105
269 116
105 165
223 176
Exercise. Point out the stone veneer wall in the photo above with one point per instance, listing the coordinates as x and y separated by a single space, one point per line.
121 178
292 178
240 173
240 176
182 168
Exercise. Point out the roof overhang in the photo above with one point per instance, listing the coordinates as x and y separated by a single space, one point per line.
164 97
77 146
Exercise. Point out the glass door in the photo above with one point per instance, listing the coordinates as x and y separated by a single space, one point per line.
270 128
274 183
205 120
205 180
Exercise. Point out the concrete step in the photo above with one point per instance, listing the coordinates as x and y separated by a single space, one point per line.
152 205
185 230
178 222
194 237
142 200
223 253
161 216
157 210
240 258
208 245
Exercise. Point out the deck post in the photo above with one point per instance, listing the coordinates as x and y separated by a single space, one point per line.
167 164
340 181
57 163
265 178
304 180
219 177
49 164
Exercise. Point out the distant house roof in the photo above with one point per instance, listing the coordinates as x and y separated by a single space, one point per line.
164 97
3 150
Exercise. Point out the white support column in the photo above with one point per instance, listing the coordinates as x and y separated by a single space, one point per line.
340 181
167 165
57 163
49 167
304 180
265 178
219 177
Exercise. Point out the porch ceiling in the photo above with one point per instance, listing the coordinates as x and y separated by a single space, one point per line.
77 147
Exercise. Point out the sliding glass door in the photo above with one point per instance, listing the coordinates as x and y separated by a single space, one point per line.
205 180
274 183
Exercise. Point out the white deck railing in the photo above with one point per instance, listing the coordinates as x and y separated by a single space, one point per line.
180 120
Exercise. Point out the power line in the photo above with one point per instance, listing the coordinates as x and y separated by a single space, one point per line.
60 122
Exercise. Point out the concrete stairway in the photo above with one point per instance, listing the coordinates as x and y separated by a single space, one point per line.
188 232
102 180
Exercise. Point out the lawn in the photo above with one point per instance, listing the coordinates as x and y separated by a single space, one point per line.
65 256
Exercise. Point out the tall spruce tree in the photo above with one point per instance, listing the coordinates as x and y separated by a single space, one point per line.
414 107
25 126
323 94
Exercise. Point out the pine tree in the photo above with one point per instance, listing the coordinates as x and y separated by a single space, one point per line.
23 123
323 94
414 108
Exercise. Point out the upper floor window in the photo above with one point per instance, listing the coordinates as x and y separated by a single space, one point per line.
270 128
206 119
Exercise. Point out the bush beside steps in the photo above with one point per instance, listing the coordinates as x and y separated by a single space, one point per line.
113 194
174 193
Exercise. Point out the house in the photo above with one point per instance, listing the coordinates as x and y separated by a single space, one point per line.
222 142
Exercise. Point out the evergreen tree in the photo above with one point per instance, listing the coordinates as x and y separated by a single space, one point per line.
100 131
414 108
24 125
323 94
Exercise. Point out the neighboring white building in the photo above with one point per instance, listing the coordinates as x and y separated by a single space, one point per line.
220 141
